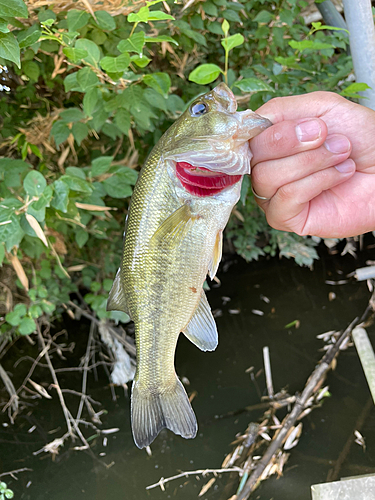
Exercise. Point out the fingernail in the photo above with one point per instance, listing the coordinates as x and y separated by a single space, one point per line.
346 166
308 131
337 144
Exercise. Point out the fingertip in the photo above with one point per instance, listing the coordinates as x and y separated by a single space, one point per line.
347 167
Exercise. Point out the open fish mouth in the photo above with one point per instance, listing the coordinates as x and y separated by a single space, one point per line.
202 181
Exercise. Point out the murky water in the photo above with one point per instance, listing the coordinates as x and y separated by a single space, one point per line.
222 387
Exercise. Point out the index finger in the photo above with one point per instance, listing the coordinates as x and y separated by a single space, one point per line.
288 138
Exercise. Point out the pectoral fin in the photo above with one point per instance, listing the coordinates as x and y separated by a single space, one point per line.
216 256
116 300
174 229
201 329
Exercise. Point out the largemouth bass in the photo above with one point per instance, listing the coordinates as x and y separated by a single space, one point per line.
173 237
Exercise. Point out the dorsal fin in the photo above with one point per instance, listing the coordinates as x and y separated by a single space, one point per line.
201 329
116 299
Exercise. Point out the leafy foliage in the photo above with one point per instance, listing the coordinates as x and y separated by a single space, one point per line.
85 96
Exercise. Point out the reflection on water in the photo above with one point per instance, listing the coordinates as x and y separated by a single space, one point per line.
121 471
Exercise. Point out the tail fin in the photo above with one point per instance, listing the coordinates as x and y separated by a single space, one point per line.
153 411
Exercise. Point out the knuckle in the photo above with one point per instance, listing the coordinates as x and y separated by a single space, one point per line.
285 192
260 177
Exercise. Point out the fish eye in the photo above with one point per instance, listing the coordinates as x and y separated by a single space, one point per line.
199 108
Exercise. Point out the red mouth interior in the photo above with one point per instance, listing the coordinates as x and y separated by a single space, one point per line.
203 182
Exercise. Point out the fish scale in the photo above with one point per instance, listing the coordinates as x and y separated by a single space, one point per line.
173 238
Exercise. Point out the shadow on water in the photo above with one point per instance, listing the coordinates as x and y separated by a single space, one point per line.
222 387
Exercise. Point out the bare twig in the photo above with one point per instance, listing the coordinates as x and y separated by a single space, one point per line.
267 370
84 376
204 472
56 382
10 388
13 472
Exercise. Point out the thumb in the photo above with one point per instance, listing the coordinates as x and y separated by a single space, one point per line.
315 104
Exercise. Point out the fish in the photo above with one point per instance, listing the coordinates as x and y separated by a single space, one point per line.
173 237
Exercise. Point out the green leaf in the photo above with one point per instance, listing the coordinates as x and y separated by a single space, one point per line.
115 64
161 82
92 50
160 38
4 26
187 31
61 196
74 54
319 26
77 184
81 237
31 70
225 27
158 15
126 174
28 37
310 44
80 131
210 9
34 183
155 99
27 326
37 208
13 8
105 20
12 171
2 254
354 88
13 318
253 85
86 78
122 120
116 187
139 17
45 15
90 100
77 19
9 48
263 17
134 43
11 232
76 172
232 41
205 73
60 132
101 165
71 115
140 60
71 83
231 15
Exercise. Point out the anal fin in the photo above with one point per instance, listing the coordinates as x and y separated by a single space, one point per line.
201 329
216 256
116 299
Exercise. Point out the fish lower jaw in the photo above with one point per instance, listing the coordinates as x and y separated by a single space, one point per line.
203 182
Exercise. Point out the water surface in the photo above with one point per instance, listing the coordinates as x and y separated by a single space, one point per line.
222 386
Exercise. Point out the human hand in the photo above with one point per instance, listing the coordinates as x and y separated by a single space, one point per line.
316 165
